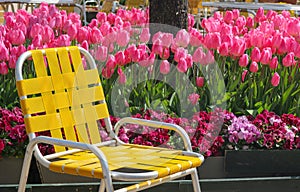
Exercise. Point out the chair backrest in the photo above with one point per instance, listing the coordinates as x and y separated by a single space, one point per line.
61 95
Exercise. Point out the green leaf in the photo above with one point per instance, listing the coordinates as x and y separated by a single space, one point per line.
286 94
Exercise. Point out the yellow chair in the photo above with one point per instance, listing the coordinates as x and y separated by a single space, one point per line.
65 97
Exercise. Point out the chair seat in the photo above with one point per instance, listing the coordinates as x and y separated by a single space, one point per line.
131 158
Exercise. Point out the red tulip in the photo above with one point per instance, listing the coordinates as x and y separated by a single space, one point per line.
120 58
199 81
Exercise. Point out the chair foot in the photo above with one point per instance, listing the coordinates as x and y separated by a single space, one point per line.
102 186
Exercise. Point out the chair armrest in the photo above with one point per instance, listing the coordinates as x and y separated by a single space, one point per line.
156 124
76 145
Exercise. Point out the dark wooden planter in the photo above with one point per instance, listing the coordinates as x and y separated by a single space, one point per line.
262 163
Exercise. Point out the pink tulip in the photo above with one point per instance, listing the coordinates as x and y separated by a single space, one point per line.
16 37
241 22
4 54
293 27
130 50
212 40
82 34
255 54
189 60
259 15
180 53
244 74
111 18
35 30
118 22
228 17
101 17
274 63
223 49
37 41
3 68
200 81
196 38
120 58
275 79
266 56
191 21
249 22
147 61
182 38
165 54
145 35
107 72
85 45
283 46
198 55
122 77
123 38
164 67
101 53
48 34
72 32
95 36
111 62
238 47
253 67
289 60
236 13
194 98
243 62
166 39
104 28
182 65
63 40
208 58
157 47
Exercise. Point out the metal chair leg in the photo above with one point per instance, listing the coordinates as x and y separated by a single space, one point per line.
25 168
195 180
102 186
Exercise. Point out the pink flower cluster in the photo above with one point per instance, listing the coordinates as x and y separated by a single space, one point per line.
13 138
